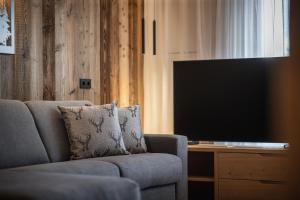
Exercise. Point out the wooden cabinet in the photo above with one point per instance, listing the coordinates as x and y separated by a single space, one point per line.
251 166
229 173
250 190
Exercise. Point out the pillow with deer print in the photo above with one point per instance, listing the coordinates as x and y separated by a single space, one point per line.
93 131
130 123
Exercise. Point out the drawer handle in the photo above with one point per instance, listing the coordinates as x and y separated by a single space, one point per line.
270 182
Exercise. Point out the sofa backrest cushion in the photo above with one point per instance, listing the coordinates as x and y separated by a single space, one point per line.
20 143
51 126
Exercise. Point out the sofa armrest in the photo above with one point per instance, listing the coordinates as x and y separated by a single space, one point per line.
163 143
171 144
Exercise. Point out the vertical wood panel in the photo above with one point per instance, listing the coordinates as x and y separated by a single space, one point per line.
105 54
49 50
60 57
114 50
21 73
6 76
94 50
77 47
35 60
132 51
71 35
124 52
136 72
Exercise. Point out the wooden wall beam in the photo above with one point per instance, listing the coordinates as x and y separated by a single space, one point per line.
49 50
35 48
124 52
114 45
105 54
21 73
94 49
60 48
6 77
136 58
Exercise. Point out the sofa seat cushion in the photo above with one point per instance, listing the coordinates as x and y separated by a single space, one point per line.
85 167
52 186
148 169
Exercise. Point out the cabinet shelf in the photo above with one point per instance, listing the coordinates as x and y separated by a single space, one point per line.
201 178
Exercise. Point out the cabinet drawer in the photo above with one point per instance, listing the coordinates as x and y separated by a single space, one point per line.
252 166
251 190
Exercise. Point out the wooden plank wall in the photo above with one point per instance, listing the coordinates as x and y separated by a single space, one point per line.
77 55
121 58
58 42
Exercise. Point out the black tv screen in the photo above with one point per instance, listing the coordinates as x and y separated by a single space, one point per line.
224 100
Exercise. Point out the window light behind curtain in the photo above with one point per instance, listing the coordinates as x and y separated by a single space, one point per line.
205 29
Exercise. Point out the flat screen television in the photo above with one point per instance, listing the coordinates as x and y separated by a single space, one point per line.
225 100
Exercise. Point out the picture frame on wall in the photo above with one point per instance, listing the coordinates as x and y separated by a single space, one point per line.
7 27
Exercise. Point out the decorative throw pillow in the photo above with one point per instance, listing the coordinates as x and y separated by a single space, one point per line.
130 123
93 131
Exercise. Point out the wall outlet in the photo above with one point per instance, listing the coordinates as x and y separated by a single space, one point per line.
85 83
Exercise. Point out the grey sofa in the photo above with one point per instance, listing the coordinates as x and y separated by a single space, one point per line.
34 161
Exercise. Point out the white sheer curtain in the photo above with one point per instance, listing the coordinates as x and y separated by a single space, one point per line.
204 29
250 28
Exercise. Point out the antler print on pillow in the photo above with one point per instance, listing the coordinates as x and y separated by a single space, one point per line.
117 138
123 124
97 125
77 114
110 109
133 110
84 141
137 138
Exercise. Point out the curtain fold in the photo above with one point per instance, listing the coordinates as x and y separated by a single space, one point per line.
204 29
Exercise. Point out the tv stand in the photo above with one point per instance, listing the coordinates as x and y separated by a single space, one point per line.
193 142
220 171
261 145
